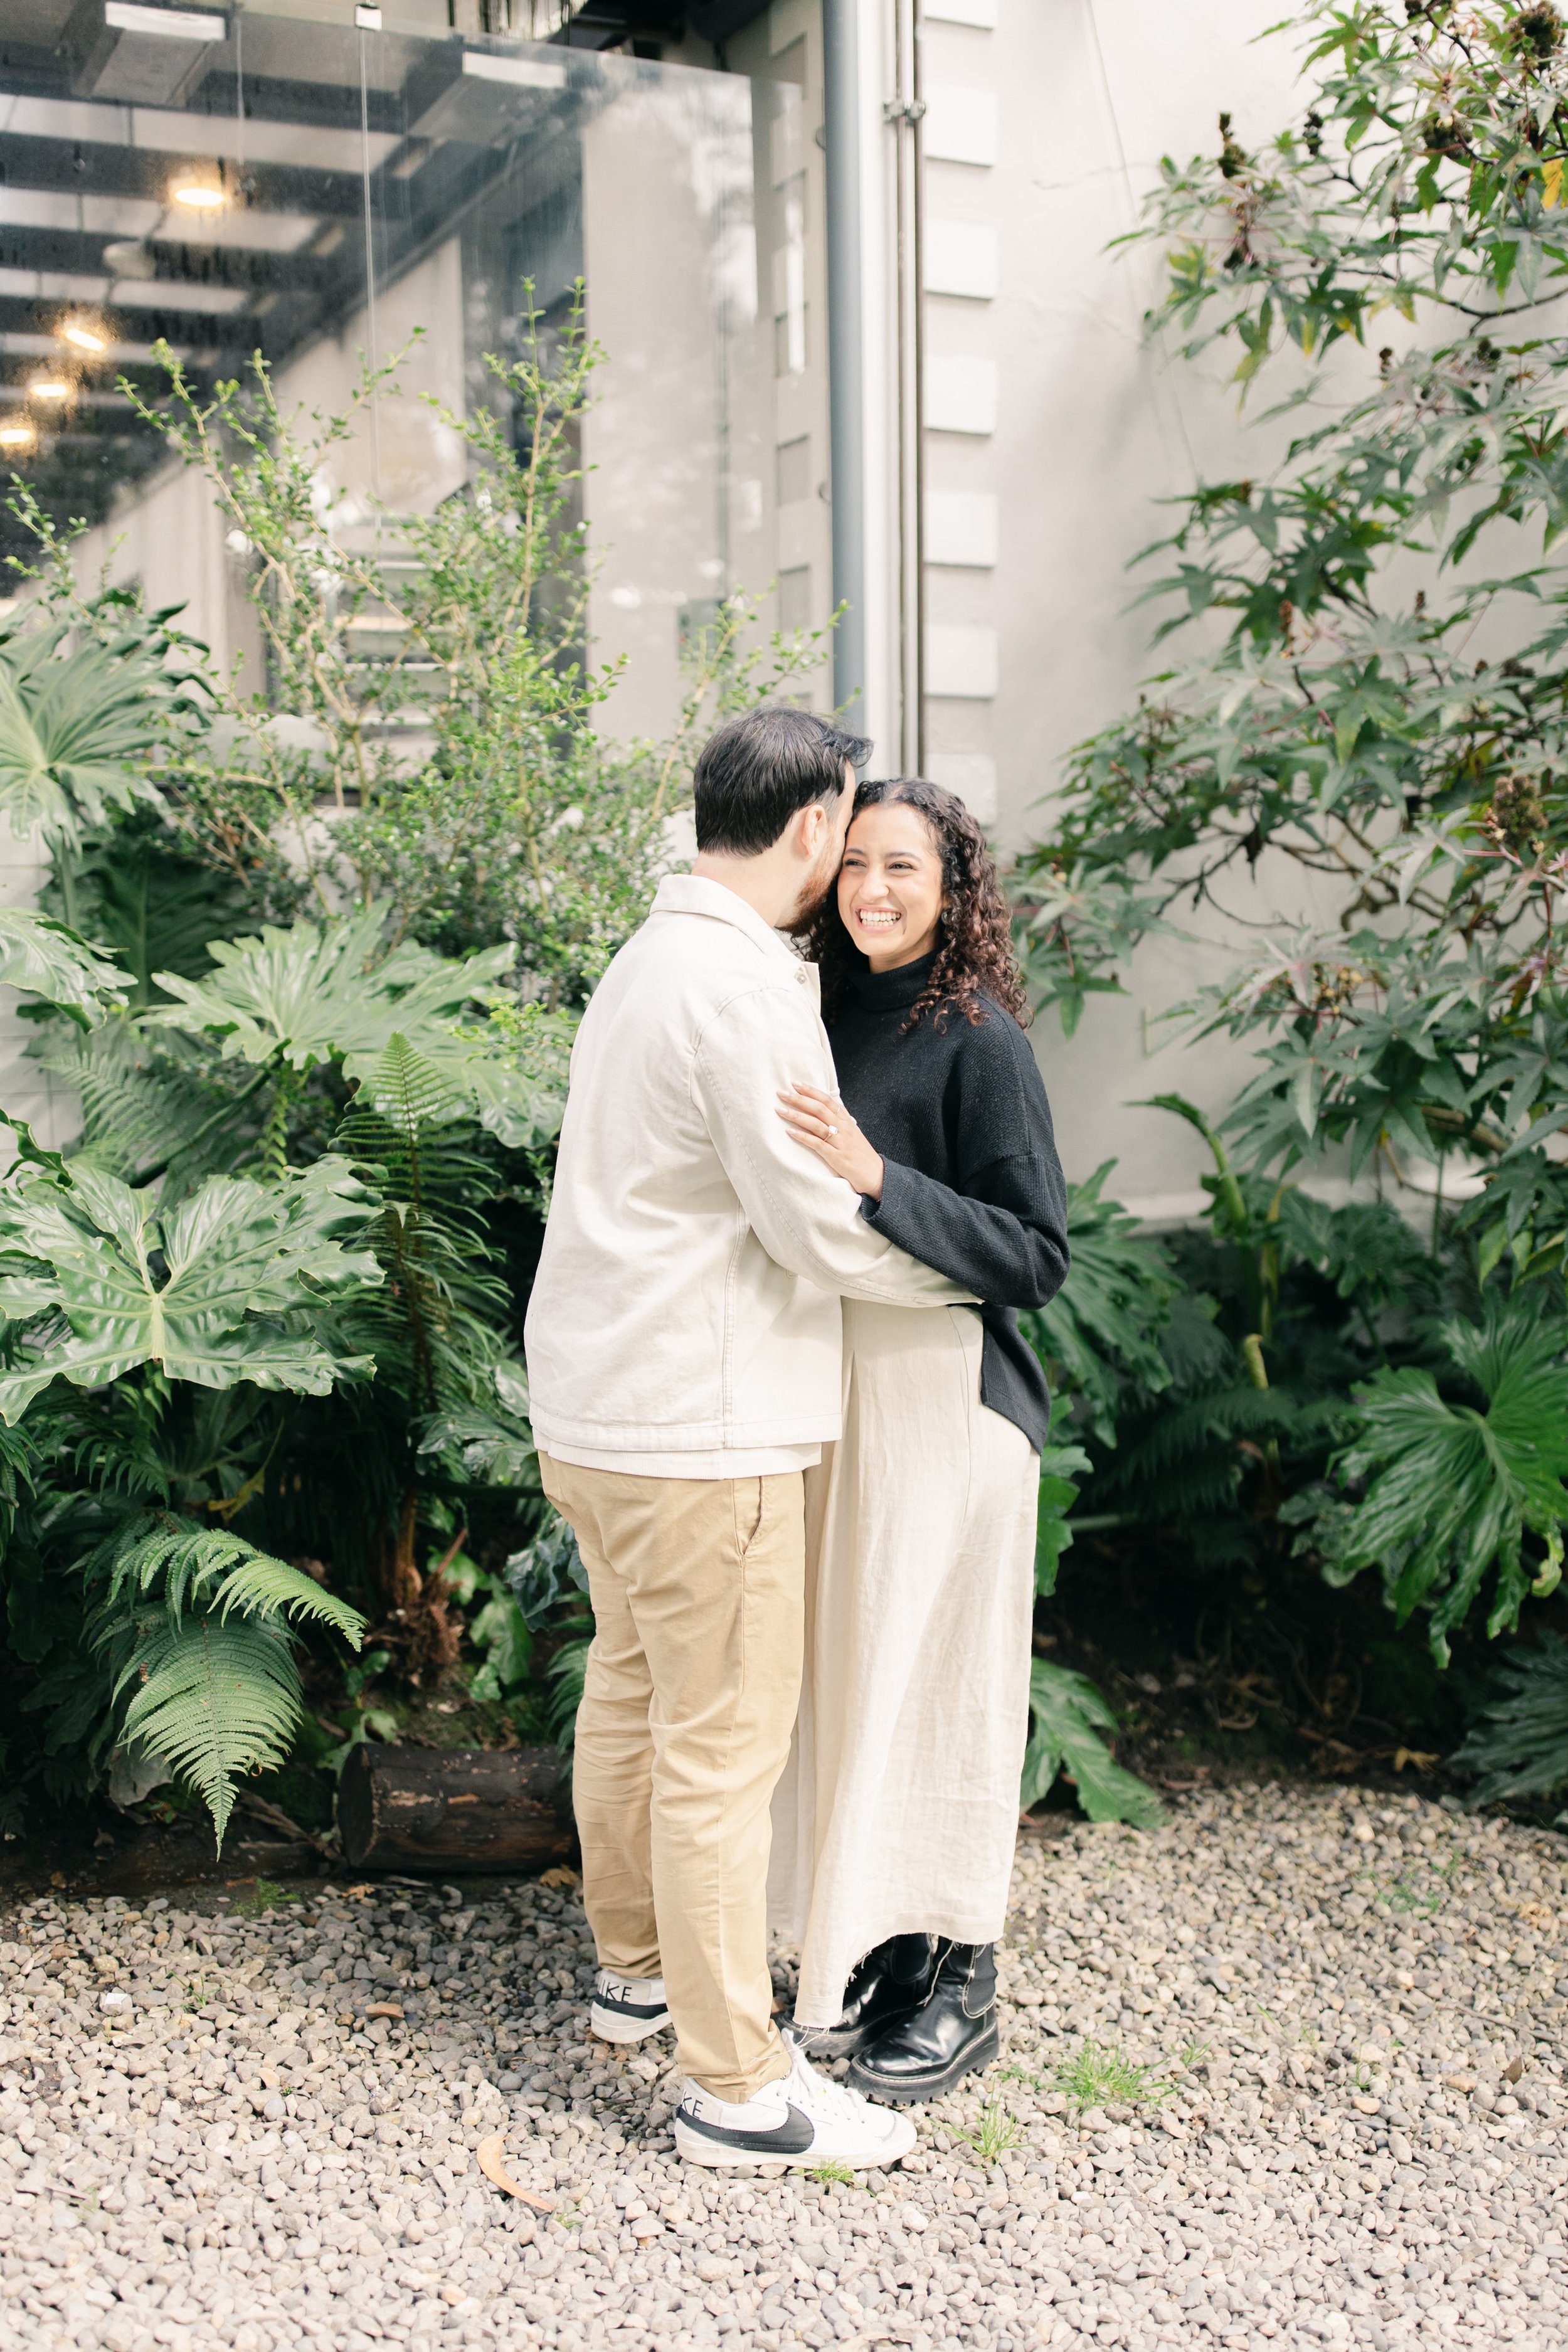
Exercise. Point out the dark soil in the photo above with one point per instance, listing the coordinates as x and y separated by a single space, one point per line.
1224 1676
1216 1678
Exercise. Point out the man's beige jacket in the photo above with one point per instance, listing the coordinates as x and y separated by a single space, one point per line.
686 1306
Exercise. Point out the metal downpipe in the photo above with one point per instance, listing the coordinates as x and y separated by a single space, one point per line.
845 371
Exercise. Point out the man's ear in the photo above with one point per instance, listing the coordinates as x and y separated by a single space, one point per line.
810 830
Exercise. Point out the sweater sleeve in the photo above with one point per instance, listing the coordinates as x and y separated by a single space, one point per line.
806 1218
1006 1240
1002 1234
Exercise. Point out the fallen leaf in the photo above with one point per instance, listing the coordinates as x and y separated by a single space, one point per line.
487 2156
384 2009
559 1876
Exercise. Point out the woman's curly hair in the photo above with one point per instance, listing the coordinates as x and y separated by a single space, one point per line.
974 945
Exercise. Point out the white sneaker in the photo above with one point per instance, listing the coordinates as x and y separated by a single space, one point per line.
627 2008
802 2119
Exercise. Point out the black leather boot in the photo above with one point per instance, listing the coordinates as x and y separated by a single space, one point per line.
889 1983
951 2033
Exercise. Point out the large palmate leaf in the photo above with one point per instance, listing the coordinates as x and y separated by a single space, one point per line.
74 728
329 992
1452 1489
546 1571
1067 1715
218 1290
1059 1466
313 994
46 959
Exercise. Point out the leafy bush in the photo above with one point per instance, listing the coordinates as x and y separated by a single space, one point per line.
310 958
1518 1746
430 688
1376 694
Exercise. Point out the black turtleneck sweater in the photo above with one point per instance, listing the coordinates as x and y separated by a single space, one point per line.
972 1184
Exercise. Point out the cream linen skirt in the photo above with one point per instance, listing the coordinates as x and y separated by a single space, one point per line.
899 1807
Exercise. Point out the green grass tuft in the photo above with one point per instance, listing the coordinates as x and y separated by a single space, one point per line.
1101 2075
996 2131
833 2176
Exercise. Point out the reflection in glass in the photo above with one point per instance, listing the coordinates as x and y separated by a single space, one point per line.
261 181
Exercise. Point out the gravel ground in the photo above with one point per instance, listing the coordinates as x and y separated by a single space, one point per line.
1289 2071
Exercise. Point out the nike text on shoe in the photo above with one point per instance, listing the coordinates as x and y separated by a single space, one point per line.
627 2008
802 2119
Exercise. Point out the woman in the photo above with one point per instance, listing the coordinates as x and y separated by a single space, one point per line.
894 1825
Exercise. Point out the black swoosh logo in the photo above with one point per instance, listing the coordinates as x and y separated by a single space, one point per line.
793 2137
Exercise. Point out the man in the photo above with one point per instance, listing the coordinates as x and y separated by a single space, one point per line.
684 1359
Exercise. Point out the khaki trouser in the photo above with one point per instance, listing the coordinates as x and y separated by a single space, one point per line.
693 1679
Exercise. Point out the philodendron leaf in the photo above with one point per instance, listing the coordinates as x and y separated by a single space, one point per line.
73 729
1069 1714
313 994
220 1291
46 959
1451 1490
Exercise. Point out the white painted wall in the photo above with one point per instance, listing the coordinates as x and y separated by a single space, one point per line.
1052 431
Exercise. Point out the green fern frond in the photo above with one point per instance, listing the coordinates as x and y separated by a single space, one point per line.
220 1572
432 1328
148 1102
1192 1489
1215 1416
217 1700
1103 1326
407 1090
262 1588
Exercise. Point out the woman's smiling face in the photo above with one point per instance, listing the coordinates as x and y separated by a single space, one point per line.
889 886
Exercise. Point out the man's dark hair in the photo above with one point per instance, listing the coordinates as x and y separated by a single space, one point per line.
757 771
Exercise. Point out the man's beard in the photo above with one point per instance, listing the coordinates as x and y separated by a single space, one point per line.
815 892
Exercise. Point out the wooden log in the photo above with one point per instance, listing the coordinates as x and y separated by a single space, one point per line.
455 1809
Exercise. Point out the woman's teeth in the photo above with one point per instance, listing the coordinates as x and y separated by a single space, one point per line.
877 921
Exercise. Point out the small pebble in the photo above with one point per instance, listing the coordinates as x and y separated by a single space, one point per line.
1287 2072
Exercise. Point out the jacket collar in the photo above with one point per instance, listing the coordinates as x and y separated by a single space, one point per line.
695 893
